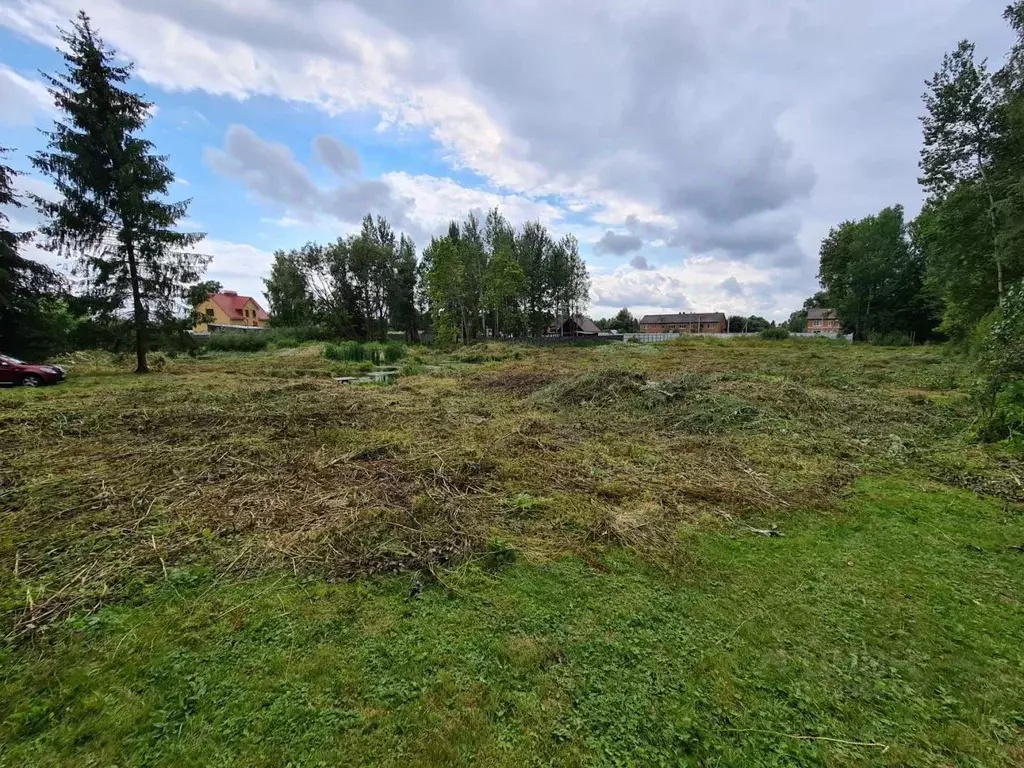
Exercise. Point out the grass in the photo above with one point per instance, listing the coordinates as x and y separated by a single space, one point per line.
542 556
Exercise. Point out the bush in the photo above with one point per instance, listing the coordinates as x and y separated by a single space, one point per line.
248 341
891 339
1000 361
1005 418
393 352
775 334
348 351
374 352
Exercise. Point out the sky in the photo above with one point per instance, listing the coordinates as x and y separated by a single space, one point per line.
698 150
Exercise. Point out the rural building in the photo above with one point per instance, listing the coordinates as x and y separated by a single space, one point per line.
685 322
229 309
577 325
823 321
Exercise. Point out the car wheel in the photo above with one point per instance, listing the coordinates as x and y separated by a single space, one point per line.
31 381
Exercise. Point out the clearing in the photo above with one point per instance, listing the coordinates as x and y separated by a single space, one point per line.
512 556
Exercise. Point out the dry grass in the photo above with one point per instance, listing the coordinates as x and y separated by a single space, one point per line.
244 463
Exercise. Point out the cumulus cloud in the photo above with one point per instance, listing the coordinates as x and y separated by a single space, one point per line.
618 245
270 171
421 204
632 288
639 262
436 201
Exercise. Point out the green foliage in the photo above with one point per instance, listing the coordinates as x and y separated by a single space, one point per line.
374 352
752 324
393 352
357 287
110 212
287 289
970 230
1000 360
891 339
200 292
1005 418
874 278
27 301
250 341
519 279
775 334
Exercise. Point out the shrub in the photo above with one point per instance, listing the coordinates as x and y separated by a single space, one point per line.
775 334
891 339
1000 360
393 352
374 352
413 368
348 351
1005 418
249 341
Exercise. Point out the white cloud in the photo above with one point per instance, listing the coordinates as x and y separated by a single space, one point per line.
239 267
25 101
696 285
436 201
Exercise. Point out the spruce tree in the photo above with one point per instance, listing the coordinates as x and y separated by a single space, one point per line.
112 216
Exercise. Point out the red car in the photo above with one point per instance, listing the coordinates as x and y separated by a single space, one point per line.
15 373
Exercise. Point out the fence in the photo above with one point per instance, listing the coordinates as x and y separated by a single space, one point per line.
645 338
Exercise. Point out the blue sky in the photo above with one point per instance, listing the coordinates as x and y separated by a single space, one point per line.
699 151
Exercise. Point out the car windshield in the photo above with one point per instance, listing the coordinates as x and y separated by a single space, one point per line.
13 360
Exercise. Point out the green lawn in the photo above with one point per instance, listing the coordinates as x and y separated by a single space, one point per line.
603 598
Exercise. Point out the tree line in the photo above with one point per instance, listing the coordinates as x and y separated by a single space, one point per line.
476 281
946 271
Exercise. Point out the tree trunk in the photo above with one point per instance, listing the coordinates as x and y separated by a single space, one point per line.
992 219
140 320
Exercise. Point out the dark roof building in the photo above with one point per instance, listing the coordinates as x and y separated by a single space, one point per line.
821 314
685 322
577 325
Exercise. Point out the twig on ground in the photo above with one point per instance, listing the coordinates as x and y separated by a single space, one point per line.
803 737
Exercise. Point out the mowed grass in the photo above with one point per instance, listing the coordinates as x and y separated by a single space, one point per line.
539 556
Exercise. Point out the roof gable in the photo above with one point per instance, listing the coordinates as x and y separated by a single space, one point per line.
234 305
583 323
821 314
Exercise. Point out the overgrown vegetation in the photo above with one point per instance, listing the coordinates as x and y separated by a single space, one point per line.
566 555
354 352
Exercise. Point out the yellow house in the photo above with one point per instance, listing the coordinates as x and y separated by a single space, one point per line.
228 308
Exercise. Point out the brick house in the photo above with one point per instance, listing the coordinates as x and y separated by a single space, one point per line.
685 322
823 321
229 309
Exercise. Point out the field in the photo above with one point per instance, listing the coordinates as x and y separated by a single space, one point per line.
735 553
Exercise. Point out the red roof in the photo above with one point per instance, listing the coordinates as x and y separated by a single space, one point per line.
233 304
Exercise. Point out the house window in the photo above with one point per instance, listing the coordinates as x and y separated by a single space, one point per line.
209 313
